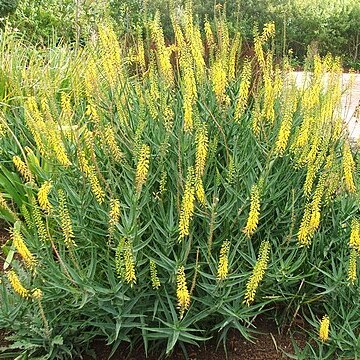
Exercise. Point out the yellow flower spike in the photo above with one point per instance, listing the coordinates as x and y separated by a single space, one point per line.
324 328
288 110
4 205
354 241
258 272
202 146
244 90
142 167
223 267
16 284
22 168
95 185
114 215
349 167
187 205
163 53
112 143
155 282
43 194
27 256
65 220
182 292
235 48
352 269
67 111
200 192
253 218
129 265
40 226
37 294
219 81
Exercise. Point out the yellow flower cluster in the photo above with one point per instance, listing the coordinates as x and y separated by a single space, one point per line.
129 264
349 167
43 194
67 111
114 215
155 282
352 269
65 220
288 110
202 145
182 292
142 167
219 81
111 142
244 90
199 191
22 249
22 168
311 219
253 218
4 205
110 54
355 235
187 205
46 133
40 226
162 52
16 284
258 272
223 267
324 328
37 294
124 262
90 172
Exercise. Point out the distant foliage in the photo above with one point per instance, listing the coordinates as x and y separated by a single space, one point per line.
7 7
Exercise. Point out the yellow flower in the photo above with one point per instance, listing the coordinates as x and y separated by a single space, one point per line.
257 273
200 192
219 81
163 53
5 206
114 215
324 328
112 143
40 226
187 205
95 186
65 220
43 196
182 292
16 284
355 235
22 168
142 167
254 213
244 89
155 282
37 294
223 261
288 110
349 167
22 249
202 145
129 265
352 269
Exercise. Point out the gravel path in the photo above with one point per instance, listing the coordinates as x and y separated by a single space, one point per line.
350 100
